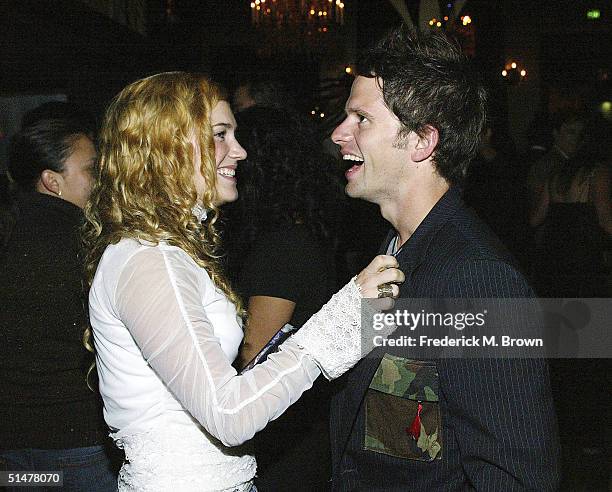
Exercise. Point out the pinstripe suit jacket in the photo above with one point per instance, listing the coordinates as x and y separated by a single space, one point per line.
497 417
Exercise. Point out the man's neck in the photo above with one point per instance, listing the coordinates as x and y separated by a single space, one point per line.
407 211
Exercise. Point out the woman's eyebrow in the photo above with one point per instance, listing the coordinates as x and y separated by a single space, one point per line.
226 125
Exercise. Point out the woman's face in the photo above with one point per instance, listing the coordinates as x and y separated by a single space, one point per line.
77 177
227 152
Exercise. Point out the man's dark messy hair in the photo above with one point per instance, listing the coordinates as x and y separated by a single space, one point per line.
427 81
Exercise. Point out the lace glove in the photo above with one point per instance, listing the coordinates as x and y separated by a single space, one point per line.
335 336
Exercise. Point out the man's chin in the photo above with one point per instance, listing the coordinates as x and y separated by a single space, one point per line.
353 191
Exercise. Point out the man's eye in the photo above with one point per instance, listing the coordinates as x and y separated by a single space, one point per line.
362 118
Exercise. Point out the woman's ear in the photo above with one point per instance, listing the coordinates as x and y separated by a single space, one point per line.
50 183
426 144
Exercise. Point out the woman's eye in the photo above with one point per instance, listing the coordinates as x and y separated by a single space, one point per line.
220 135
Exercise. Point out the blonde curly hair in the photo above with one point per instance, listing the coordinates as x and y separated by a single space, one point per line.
145 187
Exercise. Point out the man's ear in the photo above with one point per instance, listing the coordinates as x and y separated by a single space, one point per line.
426 144
50 182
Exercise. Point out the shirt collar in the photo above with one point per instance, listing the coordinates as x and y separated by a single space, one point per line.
33 200
415 248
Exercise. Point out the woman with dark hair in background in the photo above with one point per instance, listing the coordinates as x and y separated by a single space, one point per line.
51 420
574 214
281 255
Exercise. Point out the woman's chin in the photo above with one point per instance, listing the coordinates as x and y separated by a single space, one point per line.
225 197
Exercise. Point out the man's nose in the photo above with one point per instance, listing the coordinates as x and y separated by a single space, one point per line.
341 134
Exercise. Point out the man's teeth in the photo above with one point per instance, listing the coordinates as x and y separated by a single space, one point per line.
350 157
225 171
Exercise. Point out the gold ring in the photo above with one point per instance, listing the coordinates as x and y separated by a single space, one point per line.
385 290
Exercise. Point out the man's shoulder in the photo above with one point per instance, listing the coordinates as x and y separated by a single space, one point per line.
465 237
464 257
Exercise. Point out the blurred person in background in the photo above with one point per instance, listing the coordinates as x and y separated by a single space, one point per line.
494 187
281 250
573 214
52 420
567 128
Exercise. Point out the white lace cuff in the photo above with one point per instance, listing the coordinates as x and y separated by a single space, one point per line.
333 336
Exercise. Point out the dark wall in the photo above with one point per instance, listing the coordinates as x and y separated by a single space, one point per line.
64 47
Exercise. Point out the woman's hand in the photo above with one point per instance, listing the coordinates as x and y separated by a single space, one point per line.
380 278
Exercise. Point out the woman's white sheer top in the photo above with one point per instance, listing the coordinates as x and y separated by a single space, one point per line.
165 338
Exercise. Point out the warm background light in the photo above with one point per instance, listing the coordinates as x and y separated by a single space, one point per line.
291 12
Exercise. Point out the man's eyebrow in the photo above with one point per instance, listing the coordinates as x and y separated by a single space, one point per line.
360 111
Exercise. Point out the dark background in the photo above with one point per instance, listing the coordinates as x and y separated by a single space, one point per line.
66 46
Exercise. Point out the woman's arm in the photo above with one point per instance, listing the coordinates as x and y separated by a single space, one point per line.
159 298
600 197
266 315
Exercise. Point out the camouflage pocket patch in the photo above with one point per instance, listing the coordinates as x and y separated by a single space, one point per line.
402 410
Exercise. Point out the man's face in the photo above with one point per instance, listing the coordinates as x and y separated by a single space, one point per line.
568 136
368 138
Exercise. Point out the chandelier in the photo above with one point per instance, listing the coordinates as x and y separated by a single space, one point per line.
317 14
